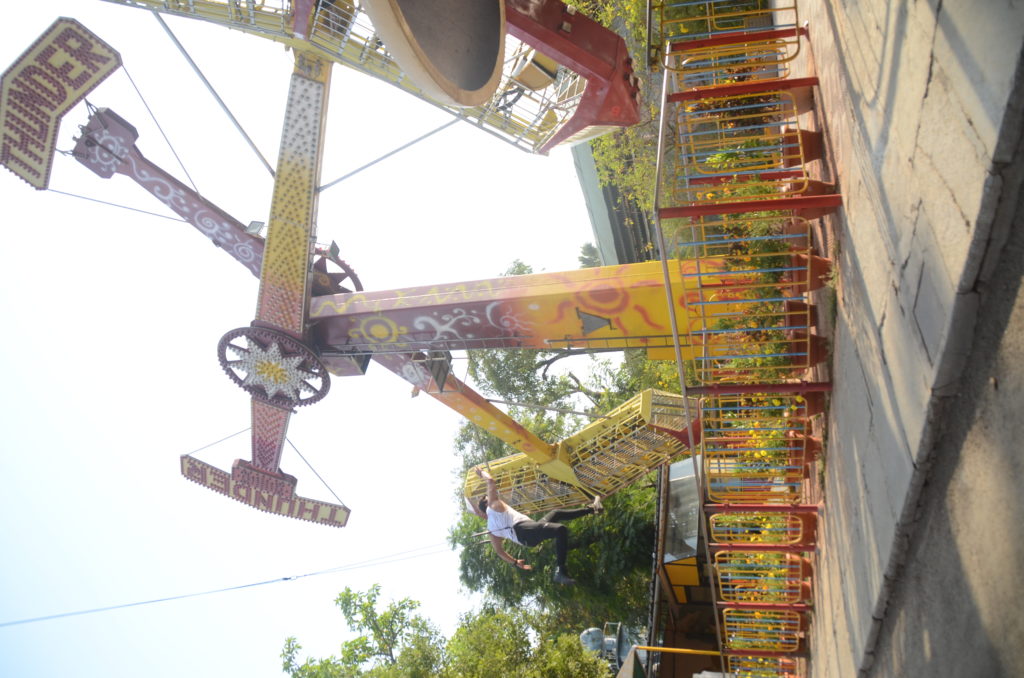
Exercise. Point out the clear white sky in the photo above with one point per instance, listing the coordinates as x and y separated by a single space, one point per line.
111 319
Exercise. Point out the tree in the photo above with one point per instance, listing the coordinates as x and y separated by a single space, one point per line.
611 558
489 643
626 157
312 668
394 642
494 643
589 256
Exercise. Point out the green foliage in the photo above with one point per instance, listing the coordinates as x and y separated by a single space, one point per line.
489 643
494 643
312 668
626 159
634 374
611 554
394 642
384 632
610 559
566 656
589 256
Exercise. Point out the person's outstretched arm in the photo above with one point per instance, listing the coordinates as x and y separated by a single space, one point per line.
504 555
493 498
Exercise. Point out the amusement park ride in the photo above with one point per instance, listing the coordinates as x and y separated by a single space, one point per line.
568 80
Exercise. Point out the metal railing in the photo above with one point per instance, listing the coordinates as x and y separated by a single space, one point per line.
768 630
735 193
752 666
738 147
759 527
762 577
699 24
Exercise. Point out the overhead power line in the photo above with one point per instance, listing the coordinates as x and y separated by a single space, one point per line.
374 562
420 552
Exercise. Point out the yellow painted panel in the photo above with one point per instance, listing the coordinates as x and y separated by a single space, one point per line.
682 575
283 288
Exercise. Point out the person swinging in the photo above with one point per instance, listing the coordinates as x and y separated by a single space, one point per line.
504 522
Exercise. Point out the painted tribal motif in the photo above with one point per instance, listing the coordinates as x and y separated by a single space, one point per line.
107 147
606 307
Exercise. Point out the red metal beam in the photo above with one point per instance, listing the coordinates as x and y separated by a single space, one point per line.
734 39
755 87
773 175
798 202
761 508
737 389
796 607
785 548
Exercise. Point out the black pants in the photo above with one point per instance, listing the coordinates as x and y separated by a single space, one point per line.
533 532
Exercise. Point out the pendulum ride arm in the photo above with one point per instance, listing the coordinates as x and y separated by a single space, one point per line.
107 146
275 356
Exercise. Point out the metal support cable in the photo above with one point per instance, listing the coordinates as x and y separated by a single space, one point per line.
216 96
389 154
114 204
315 472
159 127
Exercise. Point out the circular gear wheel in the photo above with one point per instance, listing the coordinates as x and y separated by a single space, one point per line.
273 367
332 275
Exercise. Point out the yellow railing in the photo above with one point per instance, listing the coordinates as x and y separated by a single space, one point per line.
630 441
769 630
752 61
524 486
756 326
759 527
684 22
762 577
645 432
762 667
741 147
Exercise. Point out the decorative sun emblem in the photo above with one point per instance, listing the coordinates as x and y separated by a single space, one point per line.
273 367
274 374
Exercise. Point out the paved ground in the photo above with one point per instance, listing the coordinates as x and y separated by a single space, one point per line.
957 601
922 103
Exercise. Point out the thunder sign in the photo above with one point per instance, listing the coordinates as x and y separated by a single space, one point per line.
55 73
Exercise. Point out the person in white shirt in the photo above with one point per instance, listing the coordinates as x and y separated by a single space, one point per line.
504 522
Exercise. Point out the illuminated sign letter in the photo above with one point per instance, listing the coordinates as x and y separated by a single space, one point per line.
253 487
55 73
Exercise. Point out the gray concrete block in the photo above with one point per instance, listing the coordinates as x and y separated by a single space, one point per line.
977 46
909 375
951 143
